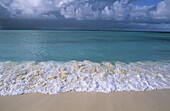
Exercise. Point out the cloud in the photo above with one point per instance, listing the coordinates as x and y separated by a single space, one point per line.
162 10
123 11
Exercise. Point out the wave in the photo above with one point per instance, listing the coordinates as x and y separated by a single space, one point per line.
56 77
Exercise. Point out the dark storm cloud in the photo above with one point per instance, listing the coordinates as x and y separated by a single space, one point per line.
111 14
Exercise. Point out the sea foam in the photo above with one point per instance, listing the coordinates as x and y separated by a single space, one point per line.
56 77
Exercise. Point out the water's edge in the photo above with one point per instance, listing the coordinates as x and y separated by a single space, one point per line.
83 76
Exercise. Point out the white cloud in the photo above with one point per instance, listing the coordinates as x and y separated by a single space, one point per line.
30 8
162 10
79 11
118 11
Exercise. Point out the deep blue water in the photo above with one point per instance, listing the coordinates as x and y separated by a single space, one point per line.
96 46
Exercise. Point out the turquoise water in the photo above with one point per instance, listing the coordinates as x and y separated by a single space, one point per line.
96 46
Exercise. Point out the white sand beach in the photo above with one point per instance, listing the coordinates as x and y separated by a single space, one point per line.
157 100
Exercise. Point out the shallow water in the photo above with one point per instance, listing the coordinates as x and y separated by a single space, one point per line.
95 46
52 62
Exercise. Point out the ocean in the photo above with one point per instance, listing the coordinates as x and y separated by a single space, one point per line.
96 46
52 62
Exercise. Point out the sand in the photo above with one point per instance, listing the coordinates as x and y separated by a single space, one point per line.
158 100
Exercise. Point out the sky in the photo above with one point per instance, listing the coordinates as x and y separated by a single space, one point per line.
143 15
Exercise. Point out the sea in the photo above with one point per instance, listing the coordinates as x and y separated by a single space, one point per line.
51 62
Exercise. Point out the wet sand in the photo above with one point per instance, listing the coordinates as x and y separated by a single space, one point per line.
158 100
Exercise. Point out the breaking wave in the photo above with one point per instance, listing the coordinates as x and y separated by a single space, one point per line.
56 77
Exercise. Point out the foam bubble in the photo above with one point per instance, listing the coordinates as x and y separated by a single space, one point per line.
54 77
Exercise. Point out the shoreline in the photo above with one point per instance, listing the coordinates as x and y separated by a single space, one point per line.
53 78
155 100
